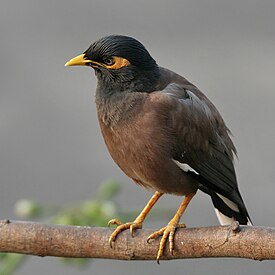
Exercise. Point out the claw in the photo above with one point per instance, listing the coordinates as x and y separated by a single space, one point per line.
157 260
149 240
111 242
136 224
114 221
121 227
133 227
167 232
155 235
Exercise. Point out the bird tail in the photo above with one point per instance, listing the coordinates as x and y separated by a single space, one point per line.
228 211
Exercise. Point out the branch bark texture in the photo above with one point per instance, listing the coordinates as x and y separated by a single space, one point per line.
92 242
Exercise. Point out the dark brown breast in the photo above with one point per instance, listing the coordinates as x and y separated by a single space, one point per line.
142 147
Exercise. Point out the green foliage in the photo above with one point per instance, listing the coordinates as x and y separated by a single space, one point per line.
96 211
10 262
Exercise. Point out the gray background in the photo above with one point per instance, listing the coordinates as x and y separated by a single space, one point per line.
51 149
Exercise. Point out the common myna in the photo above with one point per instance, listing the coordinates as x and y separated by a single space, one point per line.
163 133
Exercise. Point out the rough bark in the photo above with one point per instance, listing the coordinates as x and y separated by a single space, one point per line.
39 239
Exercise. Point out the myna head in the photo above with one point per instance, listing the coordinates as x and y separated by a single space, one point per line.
120 59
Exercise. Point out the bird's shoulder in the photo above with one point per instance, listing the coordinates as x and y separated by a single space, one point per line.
180 93
195 120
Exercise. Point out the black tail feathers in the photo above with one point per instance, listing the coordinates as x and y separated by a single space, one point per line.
229 208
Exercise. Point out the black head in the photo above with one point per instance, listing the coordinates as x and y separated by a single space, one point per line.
126 47
120 59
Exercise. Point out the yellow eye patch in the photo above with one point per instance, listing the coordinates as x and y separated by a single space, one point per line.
119 62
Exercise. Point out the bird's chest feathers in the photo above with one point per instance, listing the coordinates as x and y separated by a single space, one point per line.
132 144
126 134
114 108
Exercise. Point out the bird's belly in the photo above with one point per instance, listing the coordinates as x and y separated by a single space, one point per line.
147 162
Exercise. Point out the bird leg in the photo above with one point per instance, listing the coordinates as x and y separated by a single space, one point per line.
137 223
168 231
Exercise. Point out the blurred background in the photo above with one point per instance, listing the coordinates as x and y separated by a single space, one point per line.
51 149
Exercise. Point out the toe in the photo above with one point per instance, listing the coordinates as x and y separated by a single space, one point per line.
114 221
171 241
181 225
133 227
112 240
167 234
155 235
120 228
163 240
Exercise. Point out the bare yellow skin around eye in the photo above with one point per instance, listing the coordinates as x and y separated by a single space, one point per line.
119 62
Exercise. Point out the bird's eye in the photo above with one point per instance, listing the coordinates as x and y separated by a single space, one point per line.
109 61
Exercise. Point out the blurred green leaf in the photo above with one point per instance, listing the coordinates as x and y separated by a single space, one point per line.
10 262
108 190
25 208
96 211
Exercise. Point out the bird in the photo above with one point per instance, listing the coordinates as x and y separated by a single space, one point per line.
163 133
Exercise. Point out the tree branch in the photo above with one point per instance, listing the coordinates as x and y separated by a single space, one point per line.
92 242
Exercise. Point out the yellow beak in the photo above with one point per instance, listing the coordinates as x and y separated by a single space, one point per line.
78 61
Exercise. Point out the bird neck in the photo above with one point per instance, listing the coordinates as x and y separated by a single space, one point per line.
116 100
118 108
128 79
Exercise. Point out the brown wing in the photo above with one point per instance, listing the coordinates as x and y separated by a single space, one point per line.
202 142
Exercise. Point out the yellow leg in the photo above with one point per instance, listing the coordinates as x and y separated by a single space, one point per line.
137 223
168 231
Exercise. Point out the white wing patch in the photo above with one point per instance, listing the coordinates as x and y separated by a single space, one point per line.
229 203
185 167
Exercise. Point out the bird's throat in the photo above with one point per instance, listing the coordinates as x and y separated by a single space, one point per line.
116 101
117 107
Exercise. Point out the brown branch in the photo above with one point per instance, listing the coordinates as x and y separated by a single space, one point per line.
92 242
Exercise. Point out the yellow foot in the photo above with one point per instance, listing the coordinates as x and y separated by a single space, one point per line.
121 227
166 232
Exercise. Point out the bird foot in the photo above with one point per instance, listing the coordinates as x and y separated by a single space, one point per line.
121 227
166 232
